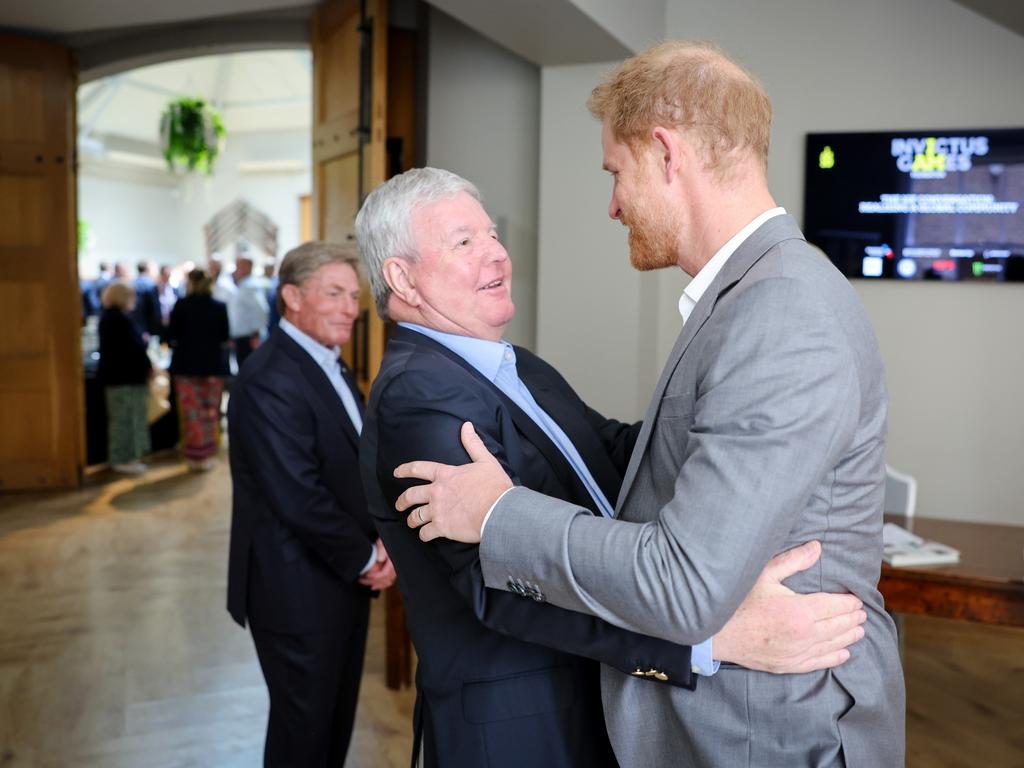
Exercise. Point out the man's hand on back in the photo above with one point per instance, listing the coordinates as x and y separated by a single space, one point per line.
778 630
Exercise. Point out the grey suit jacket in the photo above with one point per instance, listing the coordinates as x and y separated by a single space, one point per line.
766 430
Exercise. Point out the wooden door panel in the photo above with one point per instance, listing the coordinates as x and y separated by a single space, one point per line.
339 153
27 321
339 92
340 198
23 200
40 309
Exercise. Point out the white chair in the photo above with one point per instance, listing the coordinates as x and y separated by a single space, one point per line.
900 493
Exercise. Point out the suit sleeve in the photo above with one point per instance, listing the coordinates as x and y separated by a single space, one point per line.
774 410
275 429
417 424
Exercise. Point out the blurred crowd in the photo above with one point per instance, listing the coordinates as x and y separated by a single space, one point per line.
196 323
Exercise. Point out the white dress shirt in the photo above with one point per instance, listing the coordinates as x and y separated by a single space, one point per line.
696 287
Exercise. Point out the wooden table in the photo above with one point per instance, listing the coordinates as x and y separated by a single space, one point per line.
987 585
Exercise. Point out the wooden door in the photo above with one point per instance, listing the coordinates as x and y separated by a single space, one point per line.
349 142
41 401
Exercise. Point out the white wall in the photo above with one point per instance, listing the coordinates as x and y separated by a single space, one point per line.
128 222
954 357
275 194
482 118
594 311
140 217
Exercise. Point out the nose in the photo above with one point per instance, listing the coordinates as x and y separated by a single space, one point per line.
498 252
614 211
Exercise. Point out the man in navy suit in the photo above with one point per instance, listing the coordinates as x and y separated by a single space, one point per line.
304 554
503 680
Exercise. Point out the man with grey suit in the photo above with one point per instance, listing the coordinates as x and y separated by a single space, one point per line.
766 430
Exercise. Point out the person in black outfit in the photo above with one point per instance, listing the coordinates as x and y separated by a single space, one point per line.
147 302
124 370
197 332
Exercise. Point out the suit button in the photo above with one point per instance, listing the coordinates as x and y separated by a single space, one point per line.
637 672
661 676
651 672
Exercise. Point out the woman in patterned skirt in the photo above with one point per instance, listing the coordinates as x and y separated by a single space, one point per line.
124 371
197 332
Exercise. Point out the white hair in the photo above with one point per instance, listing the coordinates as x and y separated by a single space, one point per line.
384 223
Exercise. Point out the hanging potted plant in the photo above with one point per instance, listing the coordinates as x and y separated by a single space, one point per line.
191 135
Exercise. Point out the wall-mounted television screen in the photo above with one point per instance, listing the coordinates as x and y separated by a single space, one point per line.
918 205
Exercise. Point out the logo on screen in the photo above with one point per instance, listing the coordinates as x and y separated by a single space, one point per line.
931 157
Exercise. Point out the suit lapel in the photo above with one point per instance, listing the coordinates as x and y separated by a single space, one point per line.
763 239
527 426
550 397
320 384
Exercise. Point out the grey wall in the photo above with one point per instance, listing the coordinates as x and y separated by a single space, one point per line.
594 311
953 352
482 117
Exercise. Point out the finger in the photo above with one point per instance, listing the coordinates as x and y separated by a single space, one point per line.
824 605
825 661
421 470
413 497
474 445
431 531
837 625
785 564
845 640
418 517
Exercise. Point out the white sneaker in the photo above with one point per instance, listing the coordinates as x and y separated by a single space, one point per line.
131 468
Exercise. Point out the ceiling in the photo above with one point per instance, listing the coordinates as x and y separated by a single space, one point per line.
257 91
264 91
68 17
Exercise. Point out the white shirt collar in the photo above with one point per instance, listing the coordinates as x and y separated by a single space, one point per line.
696 287
325 357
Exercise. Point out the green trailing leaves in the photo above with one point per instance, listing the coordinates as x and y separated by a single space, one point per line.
192 135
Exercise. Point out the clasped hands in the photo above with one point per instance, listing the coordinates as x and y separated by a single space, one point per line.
381 574
773 630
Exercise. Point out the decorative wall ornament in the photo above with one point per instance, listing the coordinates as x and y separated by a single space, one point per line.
191 135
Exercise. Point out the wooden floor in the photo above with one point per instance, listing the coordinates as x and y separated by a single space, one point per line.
116 649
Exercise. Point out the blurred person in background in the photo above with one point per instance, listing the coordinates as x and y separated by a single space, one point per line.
147 301
248 309
270 275
167 294
197 332
124 371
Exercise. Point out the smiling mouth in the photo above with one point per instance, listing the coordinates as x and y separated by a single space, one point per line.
492 285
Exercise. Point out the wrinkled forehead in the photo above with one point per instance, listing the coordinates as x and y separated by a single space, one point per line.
448 217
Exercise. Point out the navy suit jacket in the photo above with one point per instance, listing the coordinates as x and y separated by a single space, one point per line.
502 680
300 531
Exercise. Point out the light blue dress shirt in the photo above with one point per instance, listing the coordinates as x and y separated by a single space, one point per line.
327 359
496 362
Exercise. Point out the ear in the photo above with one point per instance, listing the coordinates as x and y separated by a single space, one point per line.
292 296
669 152
400 279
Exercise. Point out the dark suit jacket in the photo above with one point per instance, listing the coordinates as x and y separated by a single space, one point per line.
147 306
197 331
300 532
501 679
123 358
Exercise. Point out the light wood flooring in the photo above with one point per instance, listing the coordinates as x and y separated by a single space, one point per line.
116 649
